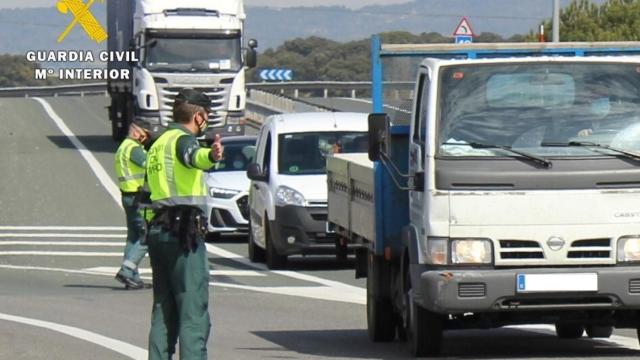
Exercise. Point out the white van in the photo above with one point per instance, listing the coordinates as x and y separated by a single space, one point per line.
288 193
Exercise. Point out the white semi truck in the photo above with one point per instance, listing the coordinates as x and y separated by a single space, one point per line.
178 44
508 192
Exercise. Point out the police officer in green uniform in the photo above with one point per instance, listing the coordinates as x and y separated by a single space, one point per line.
130 163
176 241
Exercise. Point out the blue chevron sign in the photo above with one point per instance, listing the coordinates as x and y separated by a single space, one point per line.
276 74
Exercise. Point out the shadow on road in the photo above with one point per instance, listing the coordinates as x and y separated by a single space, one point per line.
94 143
471 344
114 288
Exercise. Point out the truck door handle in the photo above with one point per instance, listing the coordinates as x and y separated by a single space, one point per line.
255 186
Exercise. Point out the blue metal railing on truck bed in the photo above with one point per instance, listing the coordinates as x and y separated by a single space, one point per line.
390 219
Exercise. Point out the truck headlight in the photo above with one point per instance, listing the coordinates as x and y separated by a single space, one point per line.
629 249
471 251
221 193
436 251
288 196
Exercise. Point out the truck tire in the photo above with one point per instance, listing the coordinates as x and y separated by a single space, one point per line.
275 261
423 328
569 331
425 331
256 253
381 324
599 331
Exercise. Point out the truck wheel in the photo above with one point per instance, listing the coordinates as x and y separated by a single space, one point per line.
569 331
381 324
599 331
274 260
256 253
423 328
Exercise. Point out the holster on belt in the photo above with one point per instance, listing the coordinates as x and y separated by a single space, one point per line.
187 223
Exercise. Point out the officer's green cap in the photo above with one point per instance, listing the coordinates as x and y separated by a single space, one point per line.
194 97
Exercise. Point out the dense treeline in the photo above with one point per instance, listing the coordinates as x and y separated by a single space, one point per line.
319 59
15 70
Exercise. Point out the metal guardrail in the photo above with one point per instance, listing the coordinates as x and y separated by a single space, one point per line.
73 89
100 87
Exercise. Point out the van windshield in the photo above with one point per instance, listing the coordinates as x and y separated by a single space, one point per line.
306 153
539 108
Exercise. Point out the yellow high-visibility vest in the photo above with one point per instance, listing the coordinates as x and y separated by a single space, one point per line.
130 175
171 183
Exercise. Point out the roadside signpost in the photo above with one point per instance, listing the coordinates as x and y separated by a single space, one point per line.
463 33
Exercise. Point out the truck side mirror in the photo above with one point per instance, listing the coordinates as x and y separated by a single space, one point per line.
251 56
255 173
378 135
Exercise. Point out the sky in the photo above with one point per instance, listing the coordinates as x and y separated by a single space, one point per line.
353 4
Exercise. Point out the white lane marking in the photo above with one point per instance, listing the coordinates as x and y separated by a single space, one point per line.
310 292
618 340
63 228
97 169
332 290
60 243
147 271
61 235
60 253
113 190
128 350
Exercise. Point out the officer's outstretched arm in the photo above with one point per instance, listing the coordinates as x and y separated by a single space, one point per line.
190 154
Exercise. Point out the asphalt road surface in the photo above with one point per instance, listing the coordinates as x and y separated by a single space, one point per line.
61 242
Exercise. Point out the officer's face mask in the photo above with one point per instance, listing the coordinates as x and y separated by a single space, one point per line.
600 107
202 123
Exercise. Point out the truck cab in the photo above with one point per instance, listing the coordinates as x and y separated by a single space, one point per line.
508 194
181 44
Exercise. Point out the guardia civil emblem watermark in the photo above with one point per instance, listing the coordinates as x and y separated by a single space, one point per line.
82 16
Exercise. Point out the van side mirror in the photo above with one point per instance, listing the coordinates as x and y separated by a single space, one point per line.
255 173
378 135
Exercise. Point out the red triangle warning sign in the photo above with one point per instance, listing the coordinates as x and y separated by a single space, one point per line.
464 28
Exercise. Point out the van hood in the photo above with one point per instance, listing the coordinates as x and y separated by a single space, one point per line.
312 187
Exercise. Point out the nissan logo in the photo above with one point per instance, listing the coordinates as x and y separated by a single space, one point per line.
555 243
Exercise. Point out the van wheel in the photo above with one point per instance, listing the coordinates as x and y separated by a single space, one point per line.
569 331
275 261
599 331
424 328
380 317
256 253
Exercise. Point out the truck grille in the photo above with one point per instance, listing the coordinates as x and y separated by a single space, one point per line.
520 249
590 248
218 95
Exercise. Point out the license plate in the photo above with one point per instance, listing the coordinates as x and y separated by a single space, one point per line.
557 282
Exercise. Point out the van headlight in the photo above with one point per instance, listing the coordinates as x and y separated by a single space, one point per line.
629 249
471 251
288 196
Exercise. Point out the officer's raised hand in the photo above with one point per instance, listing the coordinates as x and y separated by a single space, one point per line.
217 151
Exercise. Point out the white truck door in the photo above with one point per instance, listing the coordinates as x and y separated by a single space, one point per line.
417 149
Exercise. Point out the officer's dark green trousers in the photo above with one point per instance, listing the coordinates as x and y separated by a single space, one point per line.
180 298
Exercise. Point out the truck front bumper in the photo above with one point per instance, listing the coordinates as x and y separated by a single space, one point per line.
455 291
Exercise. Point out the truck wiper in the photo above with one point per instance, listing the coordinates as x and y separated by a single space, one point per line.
476 145
588 144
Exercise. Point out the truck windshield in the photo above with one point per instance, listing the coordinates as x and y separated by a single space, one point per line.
306 153
529 106
180 54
